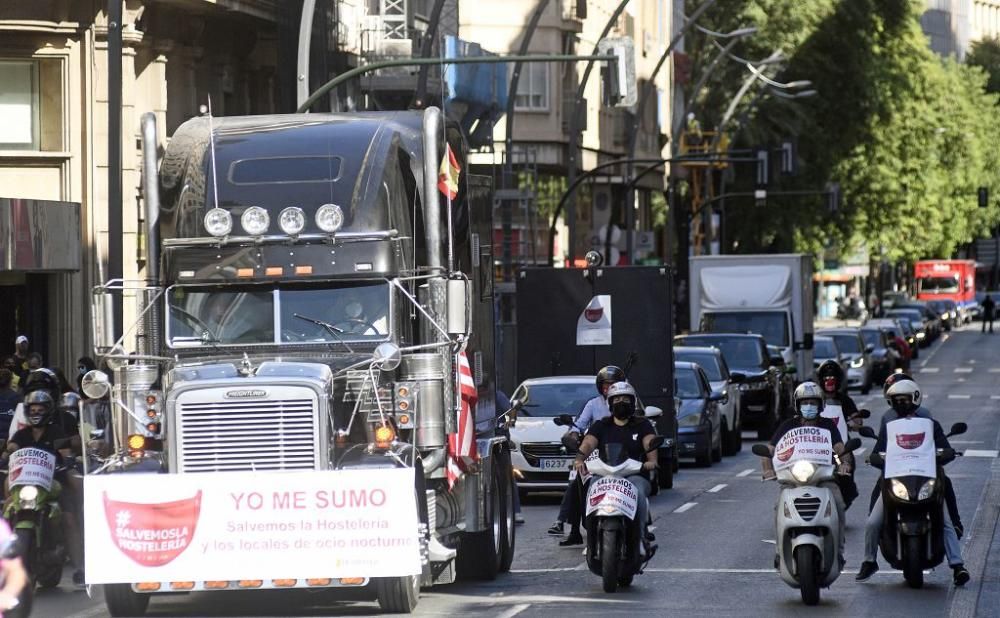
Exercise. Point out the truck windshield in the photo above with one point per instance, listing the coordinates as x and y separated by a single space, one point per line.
252 315
772 325
938 285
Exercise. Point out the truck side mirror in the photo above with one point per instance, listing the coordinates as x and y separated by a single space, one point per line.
102 317
459 306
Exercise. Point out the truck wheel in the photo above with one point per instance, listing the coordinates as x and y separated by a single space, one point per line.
480 553
398 595
123 601
508 528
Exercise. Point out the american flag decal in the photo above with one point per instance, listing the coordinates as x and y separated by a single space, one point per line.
462 444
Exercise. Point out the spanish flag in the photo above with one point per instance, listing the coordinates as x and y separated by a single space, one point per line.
448 174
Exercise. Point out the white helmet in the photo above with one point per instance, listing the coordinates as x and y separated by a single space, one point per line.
808 390
621 388
905 388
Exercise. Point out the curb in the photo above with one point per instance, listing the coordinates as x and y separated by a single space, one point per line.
982 557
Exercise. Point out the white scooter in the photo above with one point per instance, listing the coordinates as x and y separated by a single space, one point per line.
615 548
807 521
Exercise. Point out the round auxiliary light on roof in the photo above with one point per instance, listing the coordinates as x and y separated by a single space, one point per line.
292 220
329 218
255 220
218 222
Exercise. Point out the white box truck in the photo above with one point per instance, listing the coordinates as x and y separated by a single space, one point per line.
770 295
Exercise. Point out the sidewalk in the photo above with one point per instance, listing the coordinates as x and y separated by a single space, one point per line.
981 597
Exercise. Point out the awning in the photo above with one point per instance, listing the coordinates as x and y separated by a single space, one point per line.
832 277
39 235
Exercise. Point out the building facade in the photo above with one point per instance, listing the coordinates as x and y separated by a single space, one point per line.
953 25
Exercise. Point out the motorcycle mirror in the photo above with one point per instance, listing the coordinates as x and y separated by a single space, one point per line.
865 413
852 444
760 450
867 432
516 404
652 412
564 420
958 429
655 443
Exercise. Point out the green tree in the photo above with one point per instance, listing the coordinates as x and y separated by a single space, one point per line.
985 54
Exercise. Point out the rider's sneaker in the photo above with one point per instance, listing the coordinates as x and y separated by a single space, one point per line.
518 519
867 570
573 539
79 579
556 529
961 574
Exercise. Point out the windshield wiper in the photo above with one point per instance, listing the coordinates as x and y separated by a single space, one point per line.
207 334
336 332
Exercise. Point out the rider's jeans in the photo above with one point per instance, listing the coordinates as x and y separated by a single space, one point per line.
642 509
838 499
873 530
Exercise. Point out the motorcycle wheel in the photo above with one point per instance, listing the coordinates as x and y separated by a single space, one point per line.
807 565
49 576
609 559
26 549
912 572
625 581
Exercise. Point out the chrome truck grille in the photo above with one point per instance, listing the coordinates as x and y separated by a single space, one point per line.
214 433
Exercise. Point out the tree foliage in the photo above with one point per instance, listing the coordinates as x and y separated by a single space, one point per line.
985 54
908 136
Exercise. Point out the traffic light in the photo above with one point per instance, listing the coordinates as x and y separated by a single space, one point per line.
618 76
984 197
763 173
833 196
788 162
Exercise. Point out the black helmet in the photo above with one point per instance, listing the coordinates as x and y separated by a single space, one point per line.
42 379
609 375
70 402
892 379
830 370
39 398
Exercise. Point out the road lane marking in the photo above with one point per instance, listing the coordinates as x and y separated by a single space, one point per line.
965 442
687 506
517 609
748 435
994 369
959 396
746 472
981 453
93 612
963 369
717 488
929 369
994 396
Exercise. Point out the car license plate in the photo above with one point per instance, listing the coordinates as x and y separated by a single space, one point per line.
555 464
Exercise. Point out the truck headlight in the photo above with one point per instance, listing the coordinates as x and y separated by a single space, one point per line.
858 362
803 471
218 222
926 490
329 218
255 220
899 490
292 220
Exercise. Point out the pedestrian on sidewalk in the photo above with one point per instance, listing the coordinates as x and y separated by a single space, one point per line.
21 357
9 398
989 308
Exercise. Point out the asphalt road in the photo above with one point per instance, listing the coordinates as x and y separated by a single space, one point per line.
715 534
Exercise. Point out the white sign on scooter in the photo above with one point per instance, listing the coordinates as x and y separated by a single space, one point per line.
835 413
32 466
909 448
812 444
245 525
614 494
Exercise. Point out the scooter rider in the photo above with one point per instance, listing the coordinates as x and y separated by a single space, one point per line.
808 401
633 434
594 410
949 490
831 379
904 397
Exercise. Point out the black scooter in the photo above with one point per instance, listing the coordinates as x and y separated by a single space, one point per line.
913 527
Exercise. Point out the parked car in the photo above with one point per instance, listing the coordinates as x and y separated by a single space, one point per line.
884 360
760 392
825 349
723 381
948 311
541 462
858 353
699 421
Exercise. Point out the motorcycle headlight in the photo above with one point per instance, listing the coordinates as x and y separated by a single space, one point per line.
926 490
803 471
899 490
858 362
28 496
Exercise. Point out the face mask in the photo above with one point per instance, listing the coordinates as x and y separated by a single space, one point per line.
82 370
902 407
809 411
621 410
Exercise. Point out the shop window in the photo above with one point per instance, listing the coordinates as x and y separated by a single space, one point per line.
31 105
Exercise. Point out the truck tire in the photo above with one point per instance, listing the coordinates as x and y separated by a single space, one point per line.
480 553
506 470
398 595
122 601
